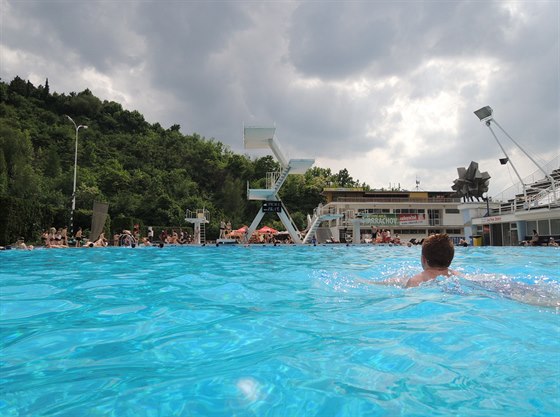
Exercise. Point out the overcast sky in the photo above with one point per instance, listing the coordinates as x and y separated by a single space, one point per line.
386 89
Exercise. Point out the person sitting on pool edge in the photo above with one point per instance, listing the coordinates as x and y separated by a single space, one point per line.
437 254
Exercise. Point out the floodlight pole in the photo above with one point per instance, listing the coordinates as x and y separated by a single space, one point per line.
552 182
504 151
77 127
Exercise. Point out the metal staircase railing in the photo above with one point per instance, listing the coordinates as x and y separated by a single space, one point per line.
320 214
545 197
271 178
202 233
281 179
315 223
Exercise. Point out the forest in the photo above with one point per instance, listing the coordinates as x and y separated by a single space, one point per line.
147 174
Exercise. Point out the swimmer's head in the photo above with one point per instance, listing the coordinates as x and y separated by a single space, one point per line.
438 251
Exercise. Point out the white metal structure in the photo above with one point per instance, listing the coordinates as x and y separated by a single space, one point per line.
320 215
198 218
485 114
255 137
511 217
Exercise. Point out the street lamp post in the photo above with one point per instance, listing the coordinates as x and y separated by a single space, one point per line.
77 127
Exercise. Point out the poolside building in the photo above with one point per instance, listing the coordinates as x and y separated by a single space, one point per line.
409 214
506 220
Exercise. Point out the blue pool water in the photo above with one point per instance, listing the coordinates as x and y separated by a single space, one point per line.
277 331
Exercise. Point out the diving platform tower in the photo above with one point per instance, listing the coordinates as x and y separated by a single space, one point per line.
255 137
199 219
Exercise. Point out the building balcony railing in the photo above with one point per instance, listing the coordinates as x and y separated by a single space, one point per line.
395 200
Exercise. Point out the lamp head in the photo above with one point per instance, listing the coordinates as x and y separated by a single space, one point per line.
484 113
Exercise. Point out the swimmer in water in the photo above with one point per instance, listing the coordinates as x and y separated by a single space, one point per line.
437 254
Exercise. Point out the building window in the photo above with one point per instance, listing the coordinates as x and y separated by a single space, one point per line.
543 227
452 211
453 231
434 217
408 211
555 226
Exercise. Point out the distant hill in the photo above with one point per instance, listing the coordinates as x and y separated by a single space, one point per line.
147 174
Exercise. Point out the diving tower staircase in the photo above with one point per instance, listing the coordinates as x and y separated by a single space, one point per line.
255 137
199 219
320 214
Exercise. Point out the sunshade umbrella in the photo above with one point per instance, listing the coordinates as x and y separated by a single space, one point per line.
266 229
239 232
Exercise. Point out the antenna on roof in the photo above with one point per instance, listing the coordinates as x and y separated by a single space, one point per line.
417 184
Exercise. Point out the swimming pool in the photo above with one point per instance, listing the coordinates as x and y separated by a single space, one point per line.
276 331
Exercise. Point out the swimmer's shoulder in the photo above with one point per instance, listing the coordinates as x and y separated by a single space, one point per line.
427 276
418 279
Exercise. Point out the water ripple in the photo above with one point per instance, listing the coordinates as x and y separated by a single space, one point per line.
205 331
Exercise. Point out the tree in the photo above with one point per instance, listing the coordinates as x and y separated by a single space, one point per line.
83 104
16 147
343 179
18 86
3 174
233 198
144 172
52 166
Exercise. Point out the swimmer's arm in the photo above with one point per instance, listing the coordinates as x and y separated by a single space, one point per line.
397 281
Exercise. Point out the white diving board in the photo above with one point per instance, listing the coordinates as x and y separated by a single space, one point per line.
257 137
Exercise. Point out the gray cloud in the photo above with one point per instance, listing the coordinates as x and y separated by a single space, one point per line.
326 40
394 82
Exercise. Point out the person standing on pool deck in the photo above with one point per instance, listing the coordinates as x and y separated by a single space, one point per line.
437 254
222 229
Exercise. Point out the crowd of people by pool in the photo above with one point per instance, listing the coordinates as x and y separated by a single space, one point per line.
60 238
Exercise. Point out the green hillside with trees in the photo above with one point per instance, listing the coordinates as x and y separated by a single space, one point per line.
148 175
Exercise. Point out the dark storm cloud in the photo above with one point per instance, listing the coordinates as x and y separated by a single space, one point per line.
327 41
338 79
330 41
182 39
95 31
